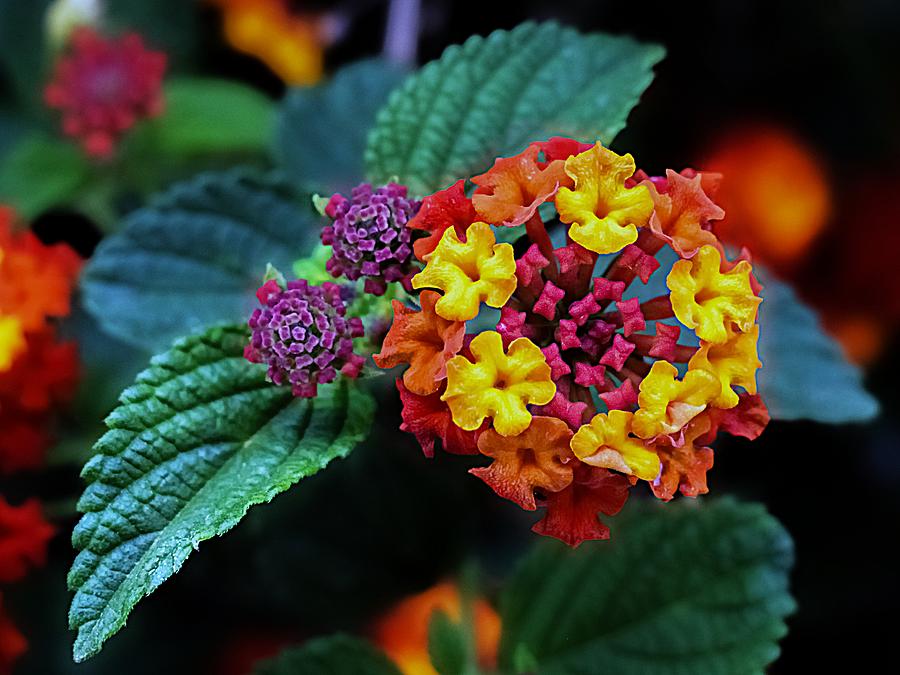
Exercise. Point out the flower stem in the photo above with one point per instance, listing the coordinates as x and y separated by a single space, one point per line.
401 38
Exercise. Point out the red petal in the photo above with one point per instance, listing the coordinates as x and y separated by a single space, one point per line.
447 208
428 419
572 514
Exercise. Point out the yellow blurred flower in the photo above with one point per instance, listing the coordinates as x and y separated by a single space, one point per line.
603 212
666 404
607 442
12 340
498 384
469 272
290 44
734 363
708 300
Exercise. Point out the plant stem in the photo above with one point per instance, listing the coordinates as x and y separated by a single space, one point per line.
401 38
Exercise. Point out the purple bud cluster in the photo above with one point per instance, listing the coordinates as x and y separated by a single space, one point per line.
369 237
304 336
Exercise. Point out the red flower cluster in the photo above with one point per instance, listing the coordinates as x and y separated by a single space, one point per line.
37 371
104 86
24 535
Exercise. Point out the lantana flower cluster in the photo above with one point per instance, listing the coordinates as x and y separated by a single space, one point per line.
104 86
304 335
580 390
38 372
577 389
24 536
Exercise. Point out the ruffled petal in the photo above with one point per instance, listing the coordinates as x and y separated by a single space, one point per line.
537 459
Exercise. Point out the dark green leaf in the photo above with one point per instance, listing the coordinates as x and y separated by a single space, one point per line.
492 96
321 131
199 439
13 127
168 25
447 645
23 49
679 589
40 173
195 256
337 655
205 116
805 374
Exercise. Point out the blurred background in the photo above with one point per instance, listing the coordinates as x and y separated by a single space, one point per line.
798 104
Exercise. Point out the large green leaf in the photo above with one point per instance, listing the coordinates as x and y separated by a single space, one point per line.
805 374
40 172
195 256
336 655
492 96
321 131
199 439
679 589
205 116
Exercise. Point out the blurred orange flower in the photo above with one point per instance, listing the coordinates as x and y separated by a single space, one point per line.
35 279
403 631
289 43
36 370
775 193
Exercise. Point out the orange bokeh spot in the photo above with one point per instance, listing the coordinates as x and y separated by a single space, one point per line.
775 193
402 632
862 337
290 44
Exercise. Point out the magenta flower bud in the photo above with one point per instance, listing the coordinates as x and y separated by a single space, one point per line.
304 336
369 237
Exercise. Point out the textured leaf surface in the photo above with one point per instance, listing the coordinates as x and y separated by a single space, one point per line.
679 589
197 440
195 256
491 96
805 374
338 655
321 131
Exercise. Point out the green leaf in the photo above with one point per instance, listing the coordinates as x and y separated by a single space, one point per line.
40 173
447 645
679 589
23 49
172 26
321 131
805 375
336 655
197 440
205 116
195 256
492 96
